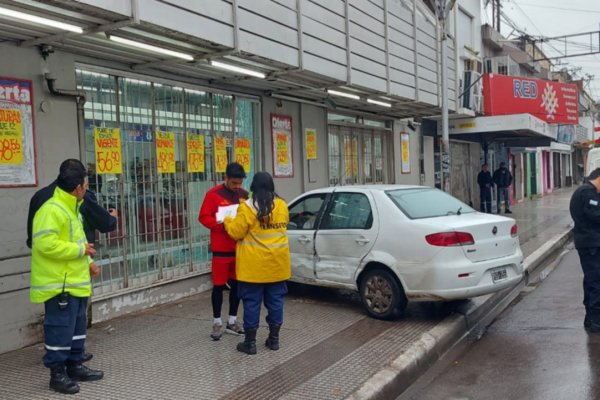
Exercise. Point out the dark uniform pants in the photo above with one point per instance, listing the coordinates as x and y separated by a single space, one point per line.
253 294
590 263
485 199
64 331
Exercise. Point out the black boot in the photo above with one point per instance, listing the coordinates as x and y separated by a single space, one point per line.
87 357
79 372
248 346
60 381
273 339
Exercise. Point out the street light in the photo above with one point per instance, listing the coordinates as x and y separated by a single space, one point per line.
442 10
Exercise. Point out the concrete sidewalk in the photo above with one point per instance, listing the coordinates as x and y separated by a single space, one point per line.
330 348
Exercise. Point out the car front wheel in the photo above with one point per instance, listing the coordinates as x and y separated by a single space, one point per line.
381 294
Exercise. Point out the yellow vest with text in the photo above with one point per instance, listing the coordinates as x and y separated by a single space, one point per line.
58 250
262 251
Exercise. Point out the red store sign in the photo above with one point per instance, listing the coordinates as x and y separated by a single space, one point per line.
553 102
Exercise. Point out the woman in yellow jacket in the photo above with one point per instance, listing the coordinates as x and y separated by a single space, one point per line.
262 259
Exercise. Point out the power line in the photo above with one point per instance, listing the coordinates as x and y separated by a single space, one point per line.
560 8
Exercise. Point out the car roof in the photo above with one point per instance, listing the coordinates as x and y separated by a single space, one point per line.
381 187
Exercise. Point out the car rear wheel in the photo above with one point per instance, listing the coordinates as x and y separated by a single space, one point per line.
382 295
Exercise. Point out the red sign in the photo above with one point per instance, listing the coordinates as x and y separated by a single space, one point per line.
553 102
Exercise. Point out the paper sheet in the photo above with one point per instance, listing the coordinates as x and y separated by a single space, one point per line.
226 211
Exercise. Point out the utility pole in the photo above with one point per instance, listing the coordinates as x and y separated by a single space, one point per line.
442 10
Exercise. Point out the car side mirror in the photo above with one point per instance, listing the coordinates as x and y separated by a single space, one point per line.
292 225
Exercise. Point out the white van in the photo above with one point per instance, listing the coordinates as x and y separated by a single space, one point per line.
593 160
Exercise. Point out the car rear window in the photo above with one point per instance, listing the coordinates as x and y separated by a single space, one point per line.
419 203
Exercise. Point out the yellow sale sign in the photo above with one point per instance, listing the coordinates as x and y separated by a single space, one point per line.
107 143
11 137
243 153
165 152
220 153
311 143
195 152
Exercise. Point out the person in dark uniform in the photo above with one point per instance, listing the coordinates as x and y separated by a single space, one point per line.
222 247
585 211
503 179
61 272
485 182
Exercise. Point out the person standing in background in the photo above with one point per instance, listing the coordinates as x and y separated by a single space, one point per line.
485 182
230 192
503 179
263 259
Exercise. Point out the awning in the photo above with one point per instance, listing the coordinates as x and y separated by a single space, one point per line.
516 130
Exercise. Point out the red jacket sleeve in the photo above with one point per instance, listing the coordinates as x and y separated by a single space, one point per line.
208 213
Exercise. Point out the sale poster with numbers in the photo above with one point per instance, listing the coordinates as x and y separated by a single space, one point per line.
195 152
310 138
165 152
107 143
17 140
281 130
220 153
243 153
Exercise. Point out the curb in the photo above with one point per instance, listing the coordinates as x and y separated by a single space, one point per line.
398 375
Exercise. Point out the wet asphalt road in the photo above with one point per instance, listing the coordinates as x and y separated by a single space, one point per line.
536 350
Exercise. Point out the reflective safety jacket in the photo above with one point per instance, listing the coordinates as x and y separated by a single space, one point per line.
58 250
262 251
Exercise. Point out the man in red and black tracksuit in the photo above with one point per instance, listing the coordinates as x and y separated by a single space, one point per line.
223 247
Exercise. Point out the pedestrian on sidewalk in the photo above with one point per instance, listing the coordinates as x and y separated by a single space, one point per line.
263 259
229 193
61 271
485 182
503 179
585 211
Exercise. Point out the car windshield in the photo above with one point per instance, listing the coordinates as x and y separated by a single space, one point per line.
419 203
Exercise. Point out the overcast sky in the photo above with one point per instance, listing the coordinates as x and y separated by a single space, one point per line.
551 18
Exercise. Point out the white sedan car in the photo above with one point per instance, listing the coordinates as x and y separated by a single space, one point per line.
395 243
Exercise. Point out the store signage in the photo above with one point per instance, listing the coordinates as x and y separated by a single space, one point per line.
107 144
405 144
243 153
17 144
220 154
281 131
552 102
165 152
195 152
310 137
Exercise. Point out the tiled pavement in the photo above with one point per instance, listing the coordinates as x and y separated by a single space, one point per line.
329 346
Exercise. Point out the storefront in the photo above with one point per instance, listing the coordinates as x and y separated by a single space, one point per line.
173 145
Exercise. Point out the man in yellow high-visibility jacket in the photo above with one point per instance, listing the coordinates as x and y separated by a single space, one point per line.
61 269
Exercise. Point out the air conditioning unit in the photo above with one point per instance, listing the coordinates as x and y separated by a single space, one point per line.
472 91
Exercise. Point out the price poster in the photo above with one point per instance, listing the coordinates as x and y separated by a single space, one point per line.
17 141
405 145
310 138
107 143
195 152
281 130
220 153
243 151
165 152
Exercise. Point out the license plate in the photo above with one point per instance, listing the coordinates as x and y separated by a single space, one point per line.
499 274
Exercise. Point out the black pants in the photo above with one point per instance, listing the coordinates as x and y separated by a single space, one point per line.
485 199
590 263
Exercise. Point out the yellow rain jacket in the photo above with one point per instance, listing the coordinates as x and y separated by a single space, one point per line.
58 251
262 251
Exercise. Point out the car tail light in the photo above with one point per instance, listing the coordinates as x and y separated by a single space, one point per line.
514 231
450 239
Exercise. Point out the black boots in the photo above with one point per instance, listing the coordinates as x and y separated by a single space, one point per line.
248 346
60 381
273 339
81 373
